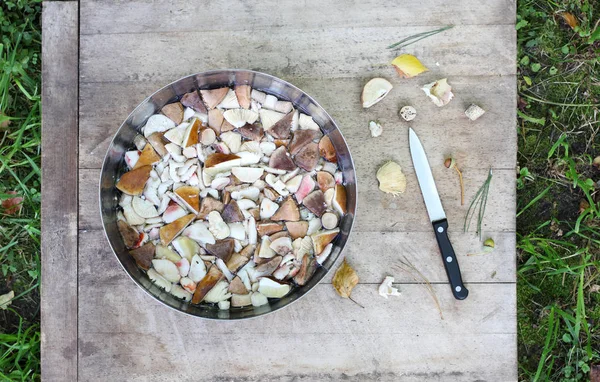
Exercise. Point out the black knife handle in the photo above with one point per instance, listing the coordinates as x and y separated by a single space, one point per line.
440 228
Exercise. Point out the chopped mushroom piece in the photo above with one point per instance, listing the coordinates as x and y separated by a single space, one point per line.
193 100
213 97
261 182
213 276
143 255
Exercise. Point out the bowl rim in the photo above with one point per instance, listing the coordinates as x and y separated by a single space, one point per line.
207 73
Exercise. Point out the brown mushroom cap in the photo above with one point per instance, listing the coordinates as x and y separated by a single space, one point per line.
130 236
237 286
208 205
143 255
327 150
158 142
236 261
268 228
190 195
134 181
193 100
215 120
173 111
281 129
322 239
168 232
297 229
269 267
232 213
287 211
301 138
216 158
315 202
307 269
325 180
253 132
242 92
213 97
281 160
308 157
223 249
213 276
147 157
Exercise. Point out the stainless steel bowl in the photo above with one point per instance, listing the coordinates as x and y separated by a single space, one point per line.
114 166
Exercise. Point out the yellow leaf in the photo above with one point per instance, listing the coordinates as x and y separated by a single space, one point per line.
344 280
408 66
570 19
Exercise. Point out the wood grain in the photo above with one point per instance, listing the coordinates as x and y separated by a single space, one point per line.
474 50
329 49
59 190
489 141
114 16
321 337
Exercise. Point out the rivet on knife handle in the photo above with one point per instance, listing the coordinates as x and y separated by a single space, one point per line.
440 228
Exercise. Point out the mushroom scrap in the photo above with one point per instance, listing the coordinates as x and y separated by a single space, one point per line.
231 197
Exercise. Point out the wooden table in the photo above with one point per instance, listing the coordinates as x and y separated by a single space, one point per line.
102 57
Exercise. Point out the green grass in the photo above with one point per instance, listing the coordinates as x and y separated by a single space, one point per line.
20 104
558 195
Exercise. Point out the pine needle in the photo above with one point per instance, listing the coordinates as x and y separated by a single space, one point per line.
417 37
409 268
478 204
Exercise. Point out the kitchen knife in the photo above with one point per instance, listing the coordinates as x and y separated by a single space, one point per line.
436 215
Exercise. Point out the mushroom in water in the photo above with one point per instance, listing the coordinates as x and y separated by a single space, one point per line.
169 231
213 97
315 202
134 181
143 255
297 228
272 289
327 150
193 100
281 159
174 111
322 239
213 276
308 156
222 249
288 211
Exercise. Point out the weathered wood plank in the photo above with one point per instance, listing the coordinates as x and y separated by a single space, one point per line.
374 255
113 16
477 50
486 142
321 337
59 187
380 212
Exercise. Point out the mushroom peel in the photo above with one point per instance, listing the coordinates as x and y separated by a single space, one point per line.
408 66
439 91
391 179
374 91
386 289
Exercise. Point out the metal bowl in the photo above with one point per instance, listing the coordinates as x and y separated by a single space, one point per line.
114 166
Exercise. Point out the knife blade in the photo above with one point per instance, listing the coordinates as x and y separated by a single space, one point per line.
437 216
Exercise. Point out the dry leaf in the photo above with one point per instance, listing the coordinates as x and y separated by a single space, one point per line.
439 91
408 66
570 19
391 179
12 206
344 280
